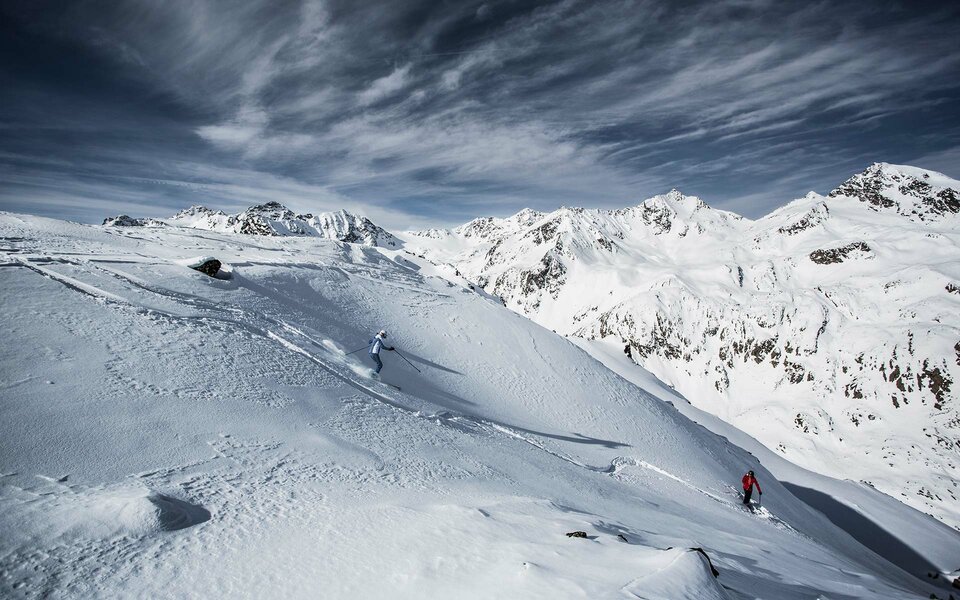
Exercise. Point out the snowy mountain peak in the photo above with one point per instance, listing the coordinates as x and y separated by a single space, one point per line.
682 214
678 202
274 219
273 210
918 194
434 233
527 217
346 227
196 210
808 218
481 228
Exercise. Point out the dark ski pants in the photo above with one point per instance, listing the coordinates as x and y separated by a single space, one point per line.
747 494
376 359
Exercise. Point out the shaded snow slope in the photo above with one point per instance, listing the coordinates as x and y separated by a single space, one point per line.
828 329
169 434
914 540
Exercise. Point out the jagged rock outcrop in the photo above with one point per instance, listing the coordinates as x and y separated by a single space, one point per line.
838 255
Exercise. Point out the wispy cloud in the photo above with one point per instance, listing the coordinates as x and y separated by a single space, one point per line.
439 111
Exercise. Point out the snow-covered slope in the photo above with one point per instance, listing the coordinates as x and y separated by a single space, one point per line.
828 329
168 434
272 219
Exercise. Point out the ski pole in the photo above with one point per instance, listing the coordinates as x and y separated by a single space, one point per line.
408 362
355 351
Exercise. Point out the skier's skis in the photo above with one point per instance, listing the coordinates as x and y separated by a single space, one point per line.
376 377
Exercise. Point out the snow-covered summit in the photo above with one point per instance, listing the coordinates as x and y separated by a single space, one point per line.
201 217
682 215
916 193
196 211
347 227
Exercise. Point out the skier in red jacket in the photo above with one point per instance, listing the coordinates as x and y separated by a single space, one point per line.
748 482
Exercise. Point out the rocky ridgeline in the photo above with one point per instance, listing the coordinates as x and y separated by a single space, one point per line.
273 219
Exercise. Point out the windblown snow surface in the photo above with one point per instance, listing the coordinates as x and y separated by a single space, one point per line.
168 434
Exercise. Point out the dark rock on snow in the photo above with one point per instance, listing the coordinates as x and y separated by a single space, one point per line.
208 267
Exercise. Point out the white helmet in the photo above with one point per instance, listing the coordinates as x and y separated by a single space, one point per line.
383 332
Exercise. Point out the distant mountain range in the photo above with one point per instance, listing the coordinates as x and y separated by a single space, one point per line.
272 219
828 329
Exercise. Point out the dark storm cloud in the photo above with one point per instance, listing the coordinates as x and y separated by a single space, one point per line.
430 111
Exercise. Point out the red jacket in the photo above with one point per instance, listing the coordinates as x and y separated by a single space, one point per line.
749 481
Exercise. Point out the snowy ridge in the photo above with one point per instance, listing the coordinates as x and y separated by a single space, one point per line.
128 221
220 430
274 219
827 329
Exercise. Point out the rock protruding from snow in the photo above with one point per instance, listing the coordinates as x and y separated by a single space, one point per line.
838 255
208 266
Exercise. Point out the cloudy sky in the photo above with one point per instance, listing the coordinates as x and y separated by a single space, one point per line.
430 113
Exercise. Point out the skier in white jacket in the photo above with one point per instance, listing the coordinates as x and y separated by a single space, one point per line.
376 344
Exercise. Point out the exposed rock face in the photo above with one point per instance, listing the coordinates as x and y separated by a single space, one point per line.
838 255
827 328
123 221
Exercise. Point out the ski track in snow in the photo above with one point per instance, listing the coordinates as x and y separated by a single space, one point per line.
620 463
446 417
